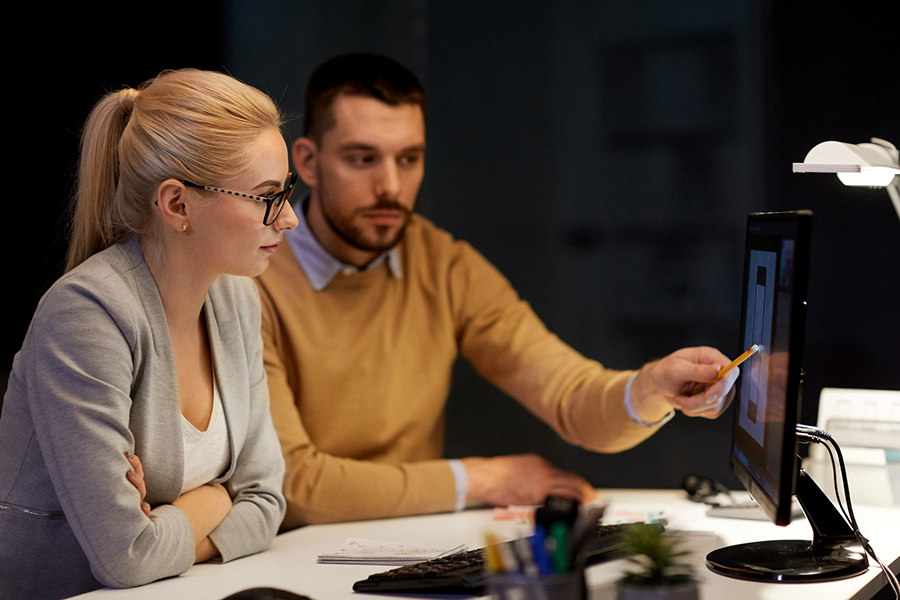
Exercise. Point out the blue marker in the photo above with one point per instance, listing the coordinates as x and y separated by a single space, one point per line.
539 551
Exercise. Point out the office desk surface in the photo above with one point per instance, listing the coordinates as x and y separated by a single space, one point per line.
291 561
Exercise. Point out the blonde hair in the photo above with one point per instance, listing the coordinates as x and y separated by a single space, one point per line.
185 124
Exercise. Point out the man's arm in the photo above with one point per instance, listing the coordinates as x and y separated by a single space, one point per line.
658 388
662 386
322 488
581 399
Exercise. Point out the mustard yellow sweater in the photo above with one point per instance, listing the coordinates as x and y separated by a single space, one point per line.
359 375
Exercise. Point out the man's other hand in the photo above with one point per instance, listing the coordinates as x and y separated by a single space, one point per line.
525 479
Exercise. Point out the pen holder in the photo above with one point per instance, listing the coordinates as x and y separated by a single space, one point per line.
518 586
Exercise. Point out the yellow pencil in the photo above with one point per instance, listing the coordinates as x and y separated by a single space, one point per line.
750 352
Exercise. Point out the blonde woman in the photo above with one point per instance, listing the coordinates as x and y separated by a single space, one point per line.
135 438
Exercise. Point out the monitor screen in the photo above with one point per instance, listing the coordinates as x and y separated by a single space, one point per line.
763 450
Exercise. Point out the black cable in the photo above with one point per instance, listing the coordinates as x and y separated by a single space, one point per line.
820 436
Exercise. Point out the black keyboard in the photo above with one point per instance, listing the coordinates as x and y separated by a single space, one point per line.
464 573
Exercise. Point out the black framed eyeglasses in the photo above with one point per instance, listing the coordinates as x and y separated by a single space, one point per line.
274 202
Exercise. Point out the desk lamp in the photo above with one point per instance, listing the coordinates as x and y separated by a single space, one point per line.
870 164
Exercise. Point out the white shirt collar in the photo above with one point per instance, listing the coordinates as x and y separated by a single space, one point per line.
320 266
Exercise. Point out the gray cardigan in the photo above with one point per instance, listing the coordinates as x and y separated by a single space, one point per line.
95 378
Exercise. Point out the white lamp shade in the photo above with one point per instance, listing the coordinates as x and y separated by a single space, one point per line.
871 164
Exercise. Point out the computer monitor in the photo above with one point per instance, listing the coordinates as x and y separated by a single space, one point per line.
764 444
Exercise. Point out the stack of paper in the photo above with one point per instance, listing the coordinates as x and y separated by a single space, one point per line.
356 551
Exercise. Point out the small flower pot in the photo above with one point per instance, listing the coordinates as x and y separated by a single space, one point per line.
681 591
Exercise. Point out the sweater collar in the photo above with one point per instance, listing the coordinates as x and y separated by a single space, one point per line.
320 266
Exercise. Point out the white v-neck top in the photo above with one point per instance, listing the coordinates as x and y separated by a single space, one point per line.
206 453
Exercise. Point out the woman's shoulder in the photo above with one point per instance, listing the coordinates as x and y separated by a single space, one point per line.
114 280
113 266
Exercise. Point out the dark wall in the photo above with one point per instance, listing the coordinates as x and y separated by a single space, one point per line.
604 157
64 60
827 80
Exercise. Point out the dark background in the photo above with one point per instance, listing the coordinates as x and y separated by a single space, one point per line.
603 156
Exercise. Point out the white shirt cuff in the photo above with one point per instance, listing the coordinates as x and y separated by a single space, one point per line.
462 483
633 414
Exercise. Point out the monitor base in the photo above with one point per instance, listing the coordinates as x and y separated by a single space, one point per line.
785 561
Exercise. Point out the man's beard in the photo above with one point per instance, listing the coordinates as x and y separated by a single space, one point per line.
345 227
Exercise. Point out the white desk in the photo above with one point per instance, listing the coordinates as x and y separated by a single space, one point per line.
291 561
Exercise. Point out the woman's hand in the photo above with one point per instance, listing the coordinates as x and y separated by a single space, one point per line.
135 477
205 507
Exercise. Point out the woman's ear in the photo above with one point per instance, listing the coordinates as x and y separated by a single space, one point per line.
171 200
305 154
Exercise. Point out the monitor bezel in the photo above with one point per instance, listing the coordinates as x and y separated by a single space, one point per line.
777 505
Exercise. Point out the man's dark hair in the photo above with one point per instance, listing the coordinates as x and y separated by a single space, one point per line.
362 74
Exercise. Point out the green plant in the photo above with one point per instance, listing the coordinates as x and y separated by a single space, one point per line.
657 559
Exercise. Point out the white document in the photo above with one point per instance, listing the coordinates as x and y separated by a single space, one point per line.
357 551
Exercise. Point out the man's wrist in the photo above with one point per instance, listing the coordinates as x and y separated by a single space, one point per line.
629 407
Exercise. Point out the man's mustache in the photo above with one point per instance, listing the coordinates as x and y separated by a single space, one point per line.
385 205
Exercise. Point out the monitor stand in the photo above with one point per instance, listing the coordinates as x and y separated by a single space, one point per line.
826 558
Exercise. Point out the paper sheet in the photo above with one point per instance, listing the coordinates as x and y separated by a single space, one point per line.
358 551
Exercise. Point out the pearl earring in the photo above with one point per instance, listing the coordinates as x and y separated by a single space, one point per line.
184 226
